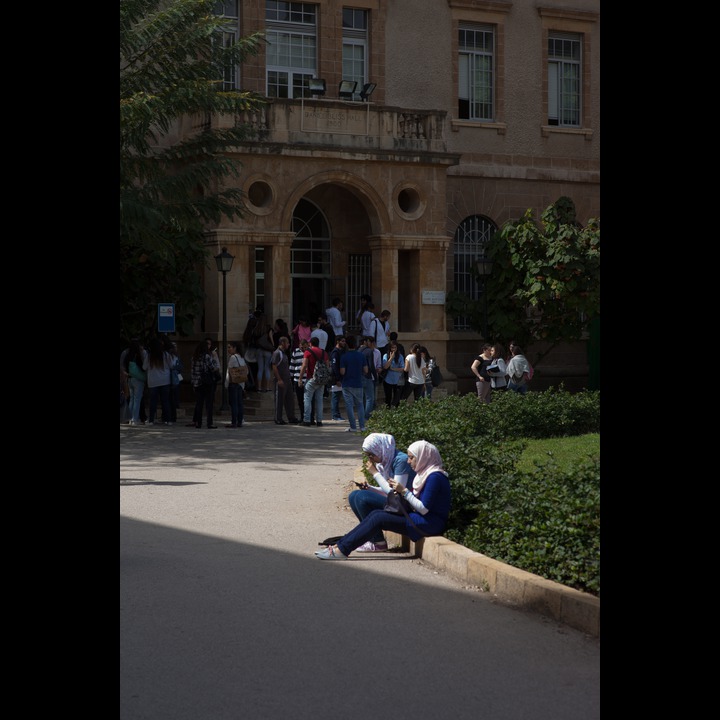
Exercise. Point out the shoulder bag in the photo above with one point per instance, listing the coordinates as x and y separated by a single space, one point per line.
399 505
238 374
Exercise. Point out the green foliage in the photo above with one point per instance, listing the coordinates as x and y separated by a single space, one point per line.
505 513
171 192
564 451
545 283
546 522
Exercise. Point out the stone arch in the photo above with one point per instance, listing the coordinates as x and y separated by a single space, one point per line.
366 194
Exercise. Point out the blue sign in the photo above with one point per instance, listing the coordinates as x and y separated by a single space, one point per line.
166 317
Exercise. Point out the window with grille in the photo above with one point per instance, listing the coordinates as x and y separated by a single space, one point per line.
227 38
564 80
354 48
291 33
359 283
476 68
470 243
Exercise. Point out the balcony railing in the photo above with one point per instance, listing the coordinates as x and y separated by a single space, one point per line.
336 123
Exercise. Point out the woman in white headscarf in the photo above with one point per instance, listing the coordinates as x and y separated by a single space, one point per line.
385 463
428 496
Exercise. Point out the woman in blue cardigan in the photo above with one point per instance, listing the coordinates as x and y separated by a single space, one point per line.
428 496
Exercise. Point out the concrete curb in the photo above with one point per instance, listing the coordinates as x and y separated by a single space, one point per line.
507 584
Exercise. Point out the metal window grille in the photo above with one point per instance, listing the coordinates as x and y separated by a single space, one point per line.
359 283
470 242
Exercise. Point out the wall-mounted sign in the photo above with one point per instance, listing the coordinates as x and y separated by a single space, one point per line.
433 297
166 317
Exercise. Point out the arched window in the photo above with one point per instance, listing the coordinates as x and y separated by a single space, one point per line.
310 252
471 239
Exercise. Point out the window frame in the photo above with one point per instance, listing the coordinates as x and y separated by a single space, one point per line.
355 37
563 72
289 20
469 62
230 36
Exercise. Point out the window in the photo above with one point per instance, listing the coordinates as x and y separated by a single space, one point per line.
310 251
259 283
354 48
471 239
476 72
228 37
359 282
292 48
564 80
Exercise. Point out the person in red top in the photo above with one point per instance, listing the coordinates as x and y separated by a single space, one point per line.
313 392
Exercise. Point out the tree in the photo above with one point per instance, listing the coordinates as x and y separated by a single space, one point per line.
172 61
545 283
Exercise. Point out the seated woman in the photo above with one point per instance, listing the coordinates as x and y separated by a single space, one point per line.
386 462
429 497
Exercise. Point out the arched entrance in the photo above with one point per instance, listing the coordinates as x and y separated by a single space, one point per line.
330 255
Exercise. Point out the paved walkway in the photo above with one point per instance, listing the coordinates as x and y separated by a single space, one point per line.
226 614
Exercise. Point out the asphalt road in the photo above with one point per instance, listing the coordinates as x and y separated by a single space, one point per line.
226 614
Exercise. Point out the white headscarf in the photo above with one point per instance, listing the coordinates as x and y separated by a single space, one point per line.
382 445
427 460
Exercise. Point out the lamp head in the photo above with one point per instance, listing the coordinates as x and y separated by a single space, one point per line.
316 86
367 90
224 261
347 88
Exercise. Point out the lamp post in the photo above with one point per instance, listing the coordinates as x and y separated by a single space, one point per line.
484 268
224 264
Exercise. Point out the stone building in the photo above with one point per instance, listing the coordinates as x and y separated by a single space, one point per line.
473 111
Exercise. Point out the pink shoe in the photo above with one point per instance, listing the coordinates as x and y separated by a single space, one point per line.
370 547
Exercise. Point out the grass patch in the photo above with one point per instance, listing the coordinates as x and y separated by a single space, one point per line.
565 451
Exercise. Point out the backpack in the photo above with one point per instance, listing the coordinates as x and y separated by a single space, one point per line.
370 360
436 377
322 374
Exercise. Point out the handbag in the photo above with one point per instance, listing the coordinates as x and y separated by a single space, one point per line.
137 372
384 373
396 504
238 374
399 505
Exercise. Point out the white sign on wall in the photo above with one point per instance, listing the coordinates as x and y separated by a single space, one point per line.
433 297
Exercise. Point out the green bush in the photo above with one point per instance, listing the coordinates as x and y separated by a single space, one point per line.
545 521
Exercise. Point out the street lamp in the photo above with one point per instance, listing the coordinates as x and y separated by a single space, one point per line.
224 264
484 268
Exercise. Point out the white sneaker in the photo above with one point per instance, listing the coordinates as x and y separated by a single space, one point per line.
370 547
350 429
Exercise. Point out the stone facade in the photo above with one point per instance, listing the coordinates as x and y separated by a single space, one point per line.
394 177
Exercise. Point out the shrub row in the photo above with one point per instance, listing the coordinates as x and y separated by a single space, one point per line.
545 521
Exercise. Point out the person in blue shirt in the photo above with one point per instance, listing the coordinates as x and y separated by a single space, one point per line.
428 495
353 368
385 462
